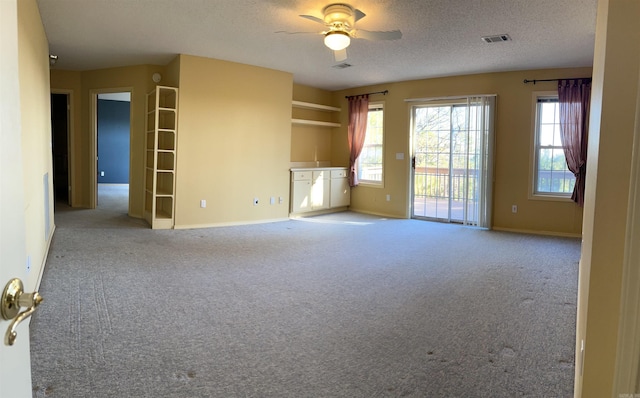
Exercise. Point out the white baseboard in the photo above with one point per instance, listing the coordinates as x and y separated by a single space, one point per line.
46 256
229 224
534 232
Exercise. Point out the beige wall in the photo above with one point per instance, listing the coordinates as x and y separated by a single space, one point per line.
171 75
234 142
33 61
612 123
512 156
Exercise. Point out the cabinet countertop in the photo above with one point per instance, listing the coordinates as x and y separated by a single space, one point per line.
317 168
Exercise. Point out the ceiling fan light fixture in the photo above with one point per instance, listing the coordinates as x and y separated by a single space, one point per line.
337 40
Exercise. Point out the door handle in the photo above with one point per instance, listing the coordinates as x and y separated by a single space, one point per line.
13 298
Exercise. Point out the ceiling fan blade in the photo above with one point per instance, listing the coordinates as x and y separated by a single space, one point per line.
297 33
312 18
359 15
340 55
374 35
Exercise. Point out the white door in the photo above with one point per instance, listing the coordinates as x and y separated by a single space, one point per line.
15 364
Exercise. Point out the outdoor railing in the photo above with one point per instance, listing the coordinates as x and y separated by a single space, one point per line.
434 182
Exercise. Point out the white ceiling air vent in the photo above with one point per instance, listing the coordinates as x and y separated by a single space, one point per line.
496 38
343 65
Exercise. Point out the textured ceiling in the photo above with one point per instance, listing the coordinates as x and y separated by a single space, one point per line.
440 37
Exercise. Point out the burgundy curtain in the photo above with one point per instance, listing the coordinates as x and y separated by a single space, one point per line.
574 97
358 111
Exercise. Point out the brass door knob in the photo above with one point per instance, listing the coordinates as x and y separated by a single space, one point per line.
13 298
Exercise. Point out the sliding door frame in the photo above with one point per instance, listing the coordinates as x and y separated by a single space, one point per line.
487 156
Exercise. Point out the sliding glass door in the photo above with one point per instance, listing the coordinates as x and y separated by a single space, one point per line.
452 149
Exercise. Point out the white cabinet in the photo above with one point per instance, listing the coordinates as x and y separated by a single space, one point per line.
340 189
319 189
300 191
320 193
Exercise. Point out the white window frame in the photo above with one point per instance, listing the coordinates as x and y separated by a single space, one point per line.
533 174
375 183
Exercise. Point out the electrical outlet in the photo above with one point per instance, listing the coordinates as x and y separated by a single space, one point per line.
272 200
203 203
102 174
388 198
514 208
255 201
280 200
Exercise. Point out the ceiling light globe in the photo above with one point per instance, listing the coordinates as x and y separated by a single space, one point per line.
337 40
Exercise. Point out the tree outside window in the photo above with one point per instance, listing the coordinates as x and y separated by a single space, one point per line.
552 177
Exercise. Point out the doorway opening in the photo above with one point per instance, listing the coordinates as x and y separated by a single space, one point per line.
111 110
60 139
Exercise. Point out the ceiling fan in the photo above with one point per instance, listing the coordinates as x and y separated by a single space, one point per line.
340 20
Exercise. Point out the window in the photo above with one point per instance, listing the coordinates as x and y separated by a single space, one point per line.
551 175
370 161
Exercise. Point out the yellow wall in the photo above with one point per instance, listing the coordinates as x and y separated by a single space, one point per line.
512 156
605 236
171 75
33 61
234 141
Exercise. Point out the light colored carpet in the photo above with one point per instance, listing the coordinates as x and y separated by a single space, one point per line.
342 305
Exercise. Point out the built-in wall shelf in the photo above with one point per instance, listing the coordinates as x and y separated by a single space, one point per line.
310 105
315 107
315 123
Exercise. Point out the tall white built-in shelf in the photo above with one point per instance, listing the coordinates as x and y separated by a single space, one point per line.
317 107
160 163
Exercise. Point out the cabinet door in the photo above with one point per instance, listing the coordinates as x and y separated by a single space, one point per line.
320 191
340 192
300 196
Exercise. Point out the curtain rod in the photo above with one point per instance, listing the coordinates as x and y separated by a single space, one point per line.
554 80
449 98
377 92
